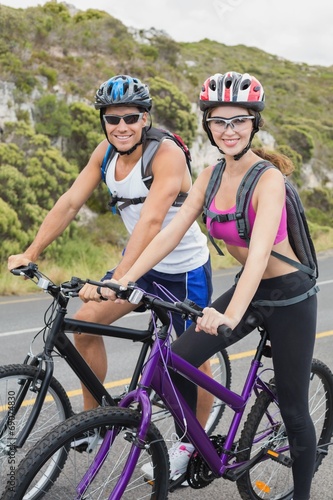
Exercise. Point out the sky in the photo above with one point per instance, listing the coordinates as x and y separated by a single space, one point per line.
297 30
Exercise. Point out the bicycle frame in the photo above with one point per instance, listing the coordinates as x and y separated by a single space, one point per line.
57 339
154 376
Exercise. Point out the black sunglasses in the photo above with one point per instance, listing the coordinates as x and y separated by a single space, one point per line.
128 119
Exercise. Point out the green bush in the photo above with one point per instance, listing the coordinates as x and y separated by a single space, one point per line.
52 117
172 109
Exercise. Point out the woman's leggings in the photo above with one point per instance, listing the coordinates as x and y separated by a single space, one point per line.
292 334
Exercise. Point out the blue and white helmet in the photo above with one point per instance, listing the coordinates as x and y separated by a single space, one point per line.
123 90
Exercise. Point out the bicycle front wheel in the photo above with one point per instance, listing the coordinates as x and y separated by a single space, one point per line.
270 479
63 449
221 371
19 386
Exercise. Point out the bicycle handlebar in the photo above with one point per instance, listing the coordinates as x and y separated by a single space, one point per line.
131 293
68 289
135 295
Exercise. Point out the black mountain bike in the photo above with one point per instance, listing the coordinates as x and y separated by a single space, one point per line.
32 400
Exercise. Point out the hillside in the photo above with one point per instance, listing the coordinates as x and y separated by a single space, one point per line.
56 49
52 59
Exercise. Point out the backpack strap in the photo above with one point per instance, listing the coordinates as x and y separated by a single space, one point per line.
287 302
153 141
244 196
106 161
212 188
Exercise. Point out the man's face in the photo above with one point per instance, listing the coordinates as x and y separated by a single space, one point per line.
127 132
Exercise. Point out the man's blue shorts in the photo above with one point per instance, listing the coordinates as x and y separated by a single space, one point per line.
195 285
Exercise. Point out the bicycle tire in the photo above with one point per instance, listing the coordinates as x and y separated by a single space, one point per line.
269 479
221 370
32 473
55 409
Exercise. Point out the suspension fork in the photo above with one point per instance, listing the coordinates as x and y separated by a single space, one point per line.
45 358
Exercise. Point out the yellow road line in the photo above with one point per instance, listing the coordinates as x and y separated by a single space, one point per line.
125 381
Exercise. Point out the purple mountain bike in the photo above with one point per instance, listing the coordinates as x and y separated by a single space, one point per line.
123 439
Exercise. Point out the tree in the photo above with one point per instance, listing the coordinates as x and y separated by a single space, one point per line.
32 177
86 133
52 117
172 109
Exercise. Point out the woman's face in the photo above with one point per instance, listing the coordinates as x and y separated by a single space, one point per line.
231 127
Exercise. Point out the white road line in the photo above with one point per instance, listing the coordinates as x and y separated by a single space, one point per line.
31 330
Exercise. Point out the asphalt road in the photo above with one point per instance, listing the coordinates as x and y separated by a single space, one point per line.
22 317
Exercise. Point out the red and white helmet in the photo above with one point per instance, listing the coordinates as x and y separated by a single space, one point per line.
232 89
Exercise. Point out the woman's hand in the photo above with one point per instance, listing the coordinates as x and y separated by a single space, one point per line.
99 293
211 320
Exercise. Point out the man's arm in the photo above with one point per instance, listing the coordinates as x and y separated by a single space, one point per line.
64 211
170 177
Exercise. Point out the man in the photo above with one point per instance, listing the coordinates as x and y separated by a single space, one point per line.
124 103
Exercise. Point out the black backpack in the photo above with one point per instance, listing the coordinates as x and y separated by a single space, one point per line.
153 140
297 226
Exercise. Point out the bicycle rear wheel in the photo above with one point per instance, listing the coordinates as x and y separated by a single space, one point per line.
221 370
54 468
19 385
264 426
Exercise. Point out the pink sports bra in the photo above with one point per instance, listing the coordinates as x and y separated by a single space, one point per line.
227 231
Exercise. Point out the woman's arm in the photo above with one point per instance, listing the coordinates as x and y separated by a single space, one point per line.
167 239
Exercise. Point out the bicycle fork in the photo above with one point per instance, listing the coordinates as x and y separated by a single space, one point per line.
46 358
41 394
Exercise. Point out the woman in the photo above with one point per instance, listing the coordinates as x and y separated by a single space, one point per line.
231 105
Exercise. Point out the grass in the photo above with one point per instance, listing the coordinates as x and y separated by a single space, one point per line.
85 257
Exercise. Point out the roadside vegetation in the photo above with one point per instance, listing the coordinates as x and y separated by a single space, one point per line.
54 59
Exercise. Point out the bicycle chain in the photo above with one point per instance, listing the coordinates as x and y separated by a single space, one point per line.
198 473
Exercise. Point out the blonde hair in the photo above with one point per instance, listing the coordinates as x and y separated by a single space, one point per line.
282 162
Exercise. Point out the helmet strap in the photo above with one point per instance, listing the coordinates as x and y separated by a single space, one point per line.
130 151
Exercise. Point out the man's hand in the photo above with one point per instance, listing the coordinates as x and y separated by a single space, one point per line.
91 292
18 260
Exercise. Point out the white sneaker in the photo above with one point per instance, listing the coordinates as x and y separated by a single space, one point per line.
179 456
87 441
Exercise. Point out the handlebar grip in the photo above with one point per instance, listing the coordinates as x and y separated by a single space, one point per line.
30 271
224 330
18 271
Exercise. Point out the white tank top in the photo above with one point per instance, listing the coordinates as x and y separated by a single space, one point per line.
192 251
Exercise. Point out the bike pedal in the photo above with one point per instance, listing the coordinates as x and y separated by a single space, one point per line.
280 458
177 483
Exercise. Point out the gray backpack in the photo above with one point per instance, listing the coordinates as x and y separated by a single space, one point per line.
298 230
